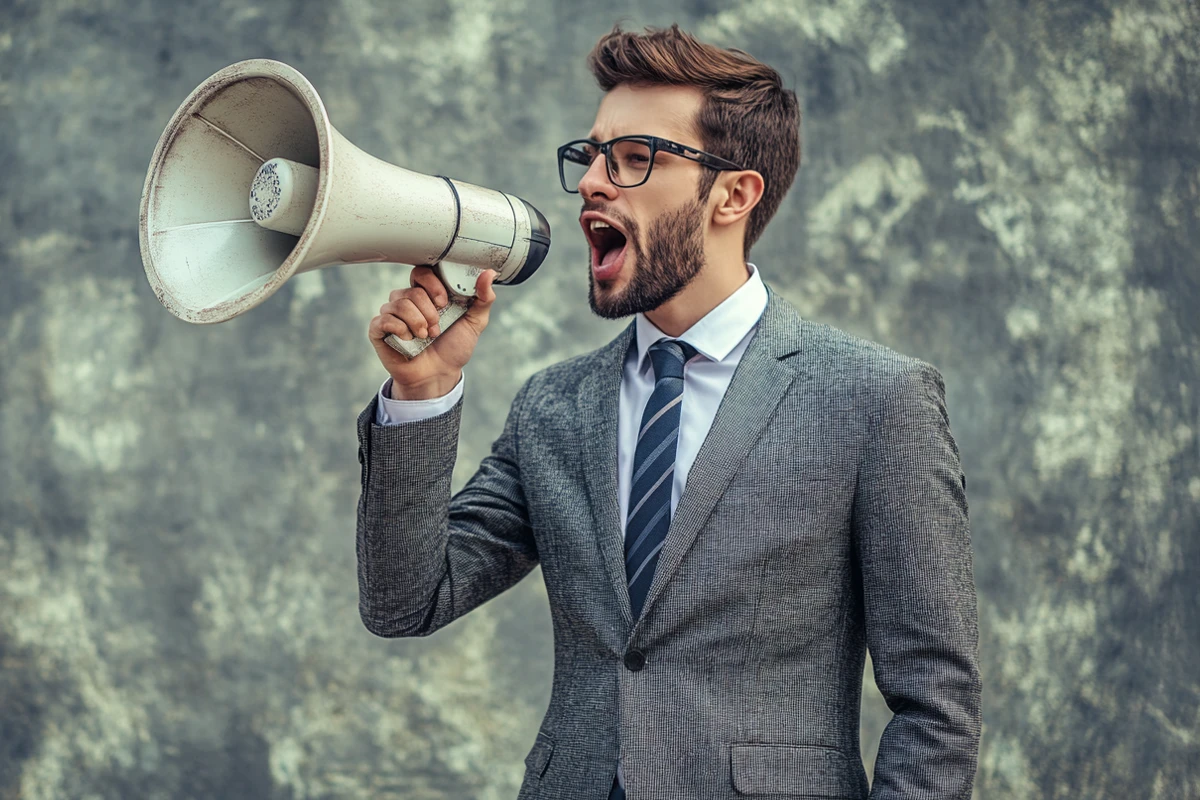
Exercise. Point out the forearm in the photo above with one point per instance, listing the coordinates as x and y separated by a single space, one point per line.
930 747
425 557
402 522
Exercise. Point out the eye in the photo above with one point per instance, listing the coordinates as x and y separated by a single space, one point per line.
632 153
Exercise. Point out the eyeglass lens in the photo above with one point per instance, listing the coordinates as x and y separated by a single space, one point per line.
628 165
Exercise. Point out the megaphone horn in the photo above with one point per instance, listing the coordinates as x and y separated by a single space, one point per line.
250 184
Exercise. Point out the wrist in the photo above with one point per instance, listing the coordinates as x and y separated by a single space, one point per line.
438 386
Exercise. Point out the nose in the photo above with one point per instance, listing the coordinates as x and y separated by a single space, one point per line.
596 181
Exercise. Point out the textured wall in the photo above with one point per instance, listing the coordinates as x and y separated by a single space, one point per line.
1006 189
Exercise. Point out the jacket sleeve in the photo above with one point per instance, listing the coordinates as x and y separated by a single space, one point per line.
426 558
913 540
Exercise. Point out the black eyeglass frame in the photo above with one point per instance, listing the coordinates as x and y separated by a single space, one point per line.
656 143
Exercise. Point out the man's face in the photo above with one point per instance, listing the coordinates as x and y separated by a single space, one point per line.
658 244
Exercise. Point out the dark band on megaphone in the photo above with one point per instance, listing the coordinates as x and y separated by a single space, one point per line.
457 218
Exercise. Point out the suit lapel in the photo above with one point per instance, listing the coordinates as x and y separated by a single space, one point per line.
758 384
599 405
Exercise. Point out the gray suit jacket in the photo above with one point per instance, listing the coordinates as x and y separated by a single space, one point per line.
825 513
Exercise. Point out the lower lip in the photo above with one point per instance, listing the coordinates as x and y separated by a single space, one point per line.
608 273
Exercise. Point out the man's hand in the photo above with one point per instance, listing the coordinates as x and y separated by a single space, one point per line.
414 312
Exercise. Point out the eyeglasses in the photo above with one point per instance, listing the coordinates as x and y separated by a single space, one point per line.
629 159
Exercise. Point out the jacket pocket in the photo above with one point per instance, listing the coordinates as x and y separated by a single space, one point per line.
811 770
539 757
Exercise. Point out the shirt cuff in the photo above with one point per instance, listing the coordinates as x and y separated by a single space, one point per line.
399 412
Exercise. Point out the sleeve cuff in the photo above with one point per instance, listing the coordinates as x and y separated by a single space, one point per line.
398 412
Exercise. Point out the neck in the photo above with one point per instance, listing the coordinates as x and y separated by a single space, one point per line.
715 282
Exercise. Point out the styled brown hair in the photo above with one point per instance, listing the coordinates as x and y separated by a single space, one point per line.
746 117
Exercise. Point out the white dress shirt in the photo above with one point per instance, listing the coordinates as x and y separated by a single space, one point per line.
720 336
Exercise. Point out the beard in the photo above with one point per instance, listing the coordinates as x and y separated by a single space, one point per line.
669 259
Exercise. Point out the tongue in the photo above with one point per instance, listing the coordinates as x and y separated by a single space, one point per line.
611 256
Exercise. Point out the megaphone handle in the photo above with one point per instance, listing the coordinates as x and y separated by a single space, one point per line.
411 348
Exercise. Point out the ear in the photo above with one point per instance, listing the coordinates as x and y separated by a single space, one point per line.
737 193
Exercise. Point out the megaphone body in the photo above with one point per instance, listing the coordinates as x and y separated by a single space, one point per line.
250 184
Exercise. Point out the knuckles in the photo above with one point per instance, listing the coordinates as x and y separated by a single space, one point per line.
400 295
406 302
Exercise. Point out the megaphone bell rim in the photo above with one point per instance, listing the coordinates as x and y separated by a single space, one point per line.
200 96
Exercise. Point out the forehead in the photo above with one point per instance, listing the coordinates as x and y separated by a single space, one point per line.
666 111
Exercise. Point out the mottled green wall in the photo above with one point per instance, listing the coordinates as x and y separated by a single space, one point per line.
1008 190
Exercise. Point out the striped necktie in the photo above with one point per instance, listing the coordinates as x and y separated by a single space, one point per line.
653 467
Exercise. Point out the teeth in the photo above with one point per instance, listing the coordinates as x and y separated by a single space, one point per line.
598 224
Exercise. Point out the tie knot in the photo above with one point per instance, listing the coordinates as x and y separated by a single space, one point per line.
668 357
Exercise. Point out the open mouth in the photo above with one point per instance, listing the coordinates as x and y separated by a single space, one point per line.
608 249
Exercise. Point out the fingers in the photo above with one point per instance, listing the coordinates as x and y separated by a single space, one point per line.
428 280
414 309
414 312
428 324
385 324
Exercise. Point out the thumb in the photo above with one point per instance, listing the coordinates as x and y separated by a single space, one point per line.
485 295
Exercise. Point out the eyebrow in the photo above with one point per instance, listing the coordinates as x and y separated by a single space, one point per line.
690 133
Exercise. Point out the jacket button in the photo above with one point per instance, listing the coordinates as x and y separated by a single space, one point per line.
635 660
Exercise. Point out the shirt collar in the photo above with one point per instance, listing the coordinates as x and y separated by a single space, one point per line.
716 333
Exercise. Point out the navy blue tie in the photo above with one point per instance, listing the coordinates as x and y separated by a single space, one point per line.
649 513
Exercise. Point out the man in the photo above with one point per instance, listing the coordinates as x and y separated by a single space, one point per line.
729 503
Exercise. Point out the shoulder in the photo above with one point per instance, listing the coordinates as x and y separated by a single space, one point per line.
565 379
864 372
881 387
566 375
857 355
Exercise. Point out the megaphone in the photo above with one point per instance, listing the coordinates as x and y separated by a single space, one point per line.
250 184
